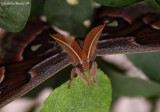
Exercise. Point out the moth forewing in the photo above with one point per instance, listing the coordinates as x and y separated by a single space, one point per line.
91 41
70 46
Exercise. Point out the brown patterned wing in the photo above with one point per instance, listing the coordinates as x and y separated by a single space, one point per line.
128 30
27 59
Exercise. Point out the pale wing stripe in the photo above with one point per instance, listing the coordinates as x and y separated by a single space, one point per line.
92 42
69 47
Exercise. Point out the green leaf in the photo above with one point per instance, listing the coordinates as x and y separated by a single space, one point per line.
128 86
149 63
14 14
80 98
123 85
116 3
150 5
69 17
158 2
37 7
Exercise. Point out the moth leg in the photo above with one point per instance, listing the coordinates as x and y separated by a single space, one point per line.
73 72
92 73
80 73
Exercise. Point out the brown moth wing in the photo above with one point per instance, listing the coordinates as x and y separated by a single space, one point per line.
23 68
91 40
70 46
21 77
13 44
138 36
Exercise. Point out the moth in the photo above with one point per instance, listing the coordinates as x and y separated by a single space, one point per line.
31 56
83 61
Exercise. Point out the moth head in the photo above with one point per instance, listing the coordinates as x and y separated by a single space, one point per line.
85 65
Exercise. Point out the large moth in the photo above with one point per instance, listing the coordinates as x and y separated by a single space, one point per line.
83 60
32 56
